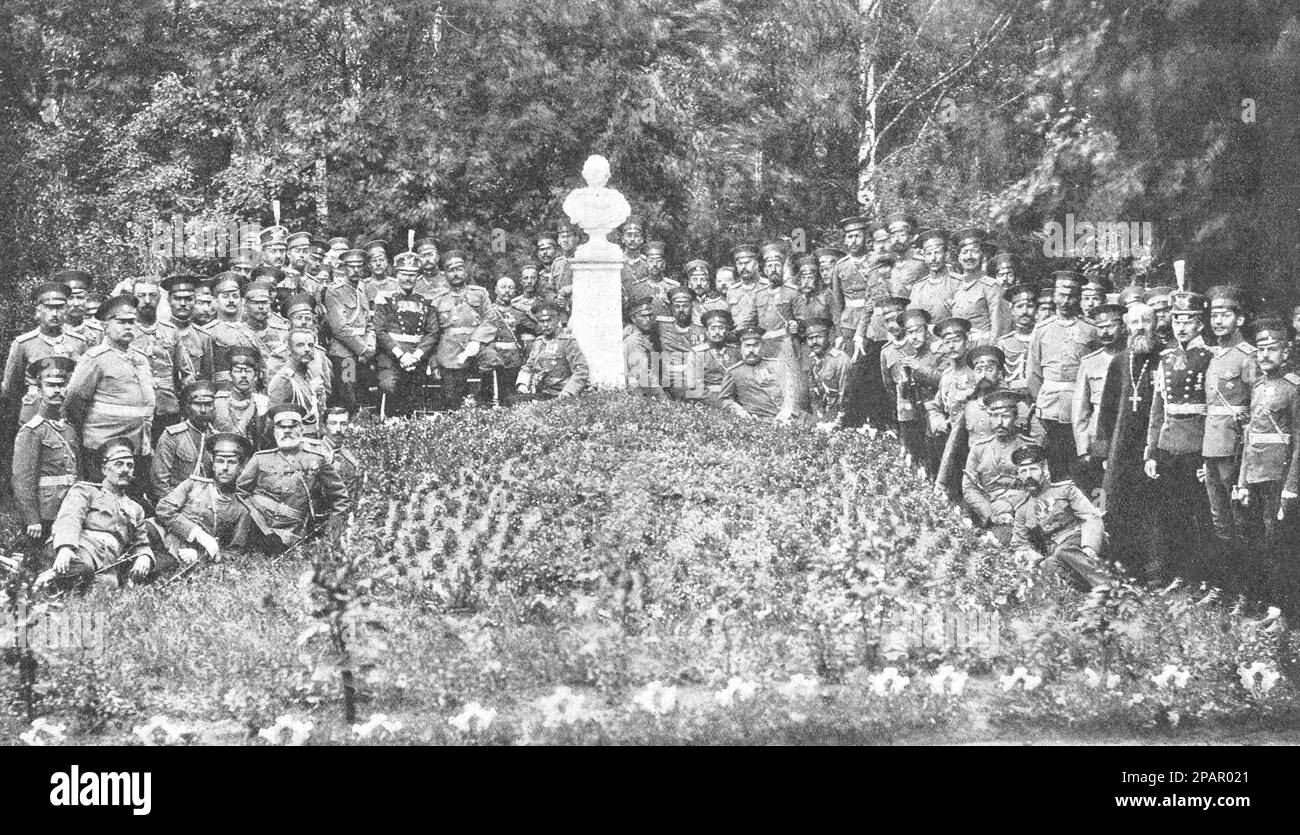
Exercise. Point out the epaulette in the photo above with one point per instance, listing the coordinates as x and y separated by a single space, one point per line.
1293 378
701 348
34 422
202 479
23 337
265 452
1094 353
1066 483
1246 348
734 366
842 260
1049 320
76 336
836 352
97 350
176 428
85 484
1168 350
989 281
983 441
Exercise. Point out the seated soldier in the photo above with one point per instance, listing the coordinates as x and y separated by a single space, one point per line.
989 488
1056 523
556 366
180 446
206 511
99 528
337 423
46 451
763 388
292 490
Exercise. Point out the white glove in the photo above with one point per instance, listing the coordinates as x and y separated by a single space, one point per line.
205 541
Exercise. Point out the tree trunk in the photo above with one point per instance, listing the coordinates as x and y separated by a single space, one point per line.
867 170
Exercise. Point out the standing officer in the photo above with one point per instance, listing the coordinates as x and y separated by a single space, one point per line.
352 337
240 406
380 280
1086 404
465 324
111 391
908 269
774 305
635 267
1176 436
431 281
291 489
337 422
406 332
711 358
161 344
641 349
1093 295
269 336
196 356
741 296
227 331
934 292
275 246
1229 379
48 340
699 280
978 298
205 307
913 372
1022 302
46 451
1052 369
180 446
677 339
858 282
1006 270
828 370
555 366
75 318
302 381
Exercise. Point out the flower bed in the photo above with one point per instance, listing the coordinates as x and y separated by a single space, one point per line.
614 569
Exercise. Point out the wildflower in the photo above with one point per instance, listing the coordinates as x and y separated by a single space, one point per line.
374 723
148 732
472 718
44 733
298 731
1174 716
563 707
656 698
737 690
1112 681
1021 676
888 681
946 679
795 716
1171 674
799 686
1092 677
1267 675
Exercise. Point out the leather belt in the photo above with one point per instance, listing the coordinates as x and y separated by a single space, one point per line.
281 509
461 330
1269 438
505 346
1225 411
404 337
122 410
855 302
1184 408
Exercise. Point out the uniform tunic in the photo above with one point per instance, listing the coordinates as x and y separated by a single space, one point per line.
198 504
101 526
755 390
858 286
710 370
1229 380
774 307
404 323
273 342
741 301
226 335
167 359
1052 364
348 322
1015 347
641 362
309 389
463 316
25 350
196 358
111 393
507 349
905 273
177 457
348 466
44 467
1086 402
988 485
978 299
1178 409
1271 452
934 294
289 491
555 366
827 375
676 345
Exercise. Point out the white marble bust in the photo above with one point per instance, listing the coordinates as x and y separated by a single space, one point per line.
598 211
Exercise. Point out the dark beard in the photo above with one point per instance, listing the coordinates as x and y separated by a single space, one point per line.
1029 485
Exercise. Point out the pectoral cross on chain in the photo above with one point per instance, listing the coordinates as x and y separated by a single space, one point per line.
1136 398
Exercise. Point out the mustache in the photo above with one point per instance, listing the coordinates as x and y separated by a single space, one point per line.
1142 343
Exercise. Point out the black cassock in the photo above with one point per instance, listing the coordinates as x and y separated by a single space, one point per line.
1135 536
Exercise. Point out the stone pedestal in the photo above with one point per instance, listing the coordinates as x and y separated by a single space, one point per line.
597 320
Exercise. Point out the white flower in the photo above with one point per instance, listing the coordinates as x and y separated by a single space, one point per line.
947 680
888 681
799 686
737 690
1112 681
1021 676
1092 677
795 716
298 731
473 717
1268 677
1174 716
148 732
376 722
657 698
1171 674
563 707
44 733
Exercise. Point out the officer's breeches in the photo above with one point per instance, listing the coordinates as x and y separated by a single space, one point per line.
1229 519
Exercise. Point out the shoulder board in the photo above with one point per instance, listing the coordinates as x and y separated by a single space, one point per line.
989 281
36 421
673 282
201 479
26 336
1066 483
1094 353
221 393
1168 351
282 325
701 348
1246 348
1049 320
350 458
75 336
1292 377
205 328
176 428
982 441
96 351
265 452
135 350
736 365
842 260
86 484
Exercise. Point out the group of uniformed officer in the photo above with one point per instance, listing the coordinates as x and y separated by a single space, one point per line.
991 380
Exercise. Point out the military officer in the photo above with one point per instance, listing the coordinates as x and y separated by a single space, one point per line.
98 525
641 358
47 340
828 371
1052 369
205 512
956 385
353 341
431 281
711 358
978 298
555 271
1269 480
239 406
1176 436
227 331
1160 299
934 292
205 307
758 387
269 336
989 485
380 280
859 281
275 246
406 332
1005 268
555 366
291 489
1089 384
567 236
814 299
160 342
635 266
827 257
1229 379
1093 294
656 284
111 391
677 339
337 423
1056 525
1022 302
179 453
699 280
913 372
741 295
76 320
774 304
244 261
1046 301
908 268
335 247
465 322
46 451
196 356
302 382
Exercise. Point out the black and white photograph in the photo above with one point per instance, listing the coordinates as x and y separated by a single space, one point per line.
781 373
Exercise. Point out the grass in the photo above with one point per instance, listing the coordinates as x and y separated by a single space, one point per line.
613 570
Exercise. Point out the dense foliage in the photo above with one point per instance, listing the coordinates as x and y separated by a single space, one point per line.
612 569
